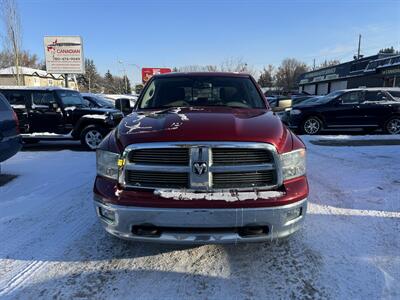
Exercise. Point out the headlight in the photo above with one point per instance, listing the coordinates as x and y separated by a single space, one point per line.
107 164
295 112
293 164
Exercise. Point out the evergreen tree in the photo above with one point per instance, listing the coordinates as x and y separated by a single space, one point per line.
127 85
109 82
390 50
138 88
91 80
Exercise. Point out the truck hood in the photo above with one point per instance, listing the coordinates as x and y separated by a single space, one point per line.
204 124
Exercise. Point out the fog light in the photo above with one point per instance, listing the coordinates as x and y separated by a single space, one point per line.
107 214
293 213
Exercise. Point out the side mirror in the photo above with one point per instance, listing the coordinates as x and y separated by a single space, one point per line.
54 105
123 105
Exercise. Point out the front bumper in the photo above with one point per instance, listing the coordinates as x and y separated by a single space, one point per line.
202 225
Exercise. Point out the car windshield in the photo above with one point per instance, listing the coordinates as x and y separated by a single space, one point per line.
70 98
327 98
104 102
197 91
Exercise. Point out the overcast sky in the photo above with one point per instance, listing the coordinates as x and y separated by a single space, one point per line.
178 33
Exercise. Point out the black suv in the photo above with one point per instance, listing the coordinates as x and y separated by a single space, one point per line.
57 113
368 108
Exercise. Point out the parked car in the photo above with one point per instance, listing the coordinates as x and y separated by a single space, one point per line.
369 109
97 101
202 159
285 114
10 139
280 103
56 113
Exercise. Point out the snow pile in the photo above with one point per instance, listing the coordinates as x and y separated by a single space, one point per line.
221 196
94 116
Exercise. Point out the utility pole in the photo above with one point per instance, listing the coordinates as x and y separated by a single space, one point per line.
125 78
359 46
313 64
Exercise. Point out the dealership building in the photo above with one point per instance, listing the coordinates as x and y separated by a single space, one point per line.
381 70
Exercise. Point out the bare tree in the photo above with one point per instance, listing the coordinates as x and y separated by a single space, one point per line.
237 65
13 36
195 68
328 63
26 59
228 65
289 72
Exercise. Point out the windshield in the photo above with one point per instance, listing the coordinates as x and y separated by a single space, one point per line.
201 91
70 98
104 102
327 98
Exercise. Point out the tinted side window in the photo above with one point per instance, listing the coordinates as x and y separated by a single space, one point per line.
43 98
375 96
16 97
351 98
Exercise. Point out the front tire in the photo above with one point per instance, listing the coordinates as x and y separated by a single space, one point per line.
392 126
311 126
92 136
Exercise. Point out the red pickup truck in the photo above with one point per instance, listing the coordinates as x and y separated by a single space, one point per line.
201 159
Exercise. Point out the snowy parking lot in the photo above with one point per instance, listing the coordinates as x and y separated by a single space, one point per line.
53 247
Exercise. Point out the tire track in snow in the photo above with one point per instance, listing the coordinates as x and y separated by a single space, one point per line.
28 270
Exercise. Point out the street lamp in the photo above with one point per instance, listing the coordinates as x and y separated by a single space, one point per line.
124 69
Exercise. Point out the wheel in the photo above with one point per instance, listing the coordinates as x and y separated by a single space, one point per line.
92 136
312 125
392 126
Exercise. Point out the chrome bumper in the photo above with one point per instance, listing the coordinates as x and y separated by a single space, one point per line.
201 226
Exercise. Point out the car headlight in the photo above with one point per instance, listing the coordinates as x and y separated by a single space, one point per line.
295 112
293 163
107 164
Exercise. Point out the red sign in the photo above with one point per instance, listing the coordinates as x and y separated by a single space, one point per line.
147 73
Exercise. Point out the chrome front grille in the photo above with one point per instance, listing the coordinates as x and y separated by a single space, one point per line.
160 156
243 179
159 179
200 166
232 156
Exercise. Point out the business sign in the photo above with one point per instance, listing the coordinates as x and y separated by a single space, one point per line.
147 73
393 71
320 73
64 54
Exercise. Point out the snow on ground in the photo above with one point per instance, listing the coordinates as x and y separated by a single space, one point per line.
349 248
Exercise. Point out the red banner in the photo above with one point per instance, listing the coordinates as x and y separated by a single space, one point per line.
147 73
